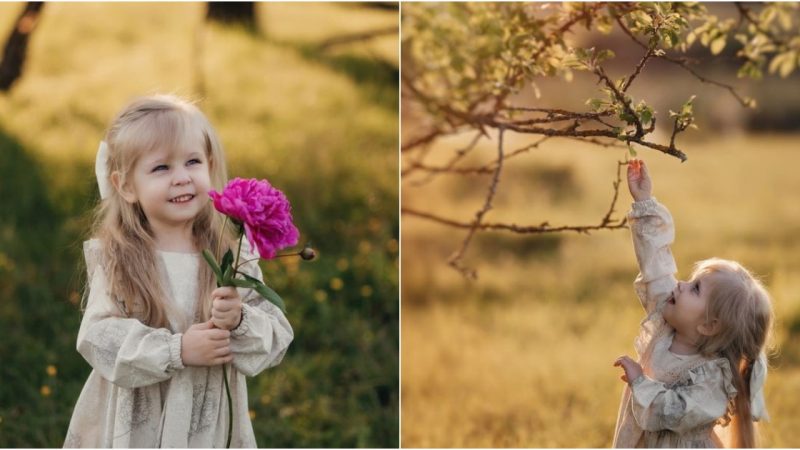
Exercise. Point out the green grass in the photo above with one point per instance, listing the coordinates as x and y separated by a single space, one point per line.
321 126
522 357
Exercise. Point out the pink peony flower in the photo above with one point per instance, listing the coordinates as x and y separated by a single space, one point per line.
264 211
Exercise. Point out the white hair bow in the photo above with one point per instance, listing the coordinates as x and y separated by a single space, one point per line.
101 170
758 407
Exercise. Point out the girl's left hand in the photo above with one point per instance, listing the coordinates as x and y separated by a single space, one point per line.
226 307
632 369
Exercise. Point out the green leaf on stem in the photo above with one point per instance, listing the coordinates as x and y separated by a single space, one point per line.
213 263
227 268
263 290
227 276
227 261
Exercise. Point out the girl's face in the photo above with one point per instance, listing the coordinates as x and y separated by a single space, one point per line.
171 186
685 310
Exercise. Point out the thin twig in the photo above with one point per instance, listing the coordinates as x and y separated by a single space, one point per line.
671 150
745 12
460 154
684 64
455 259
638 69
606 223
598 70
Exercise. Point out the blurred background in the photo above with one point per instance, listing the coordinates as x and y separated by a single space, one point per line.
304 95
523 356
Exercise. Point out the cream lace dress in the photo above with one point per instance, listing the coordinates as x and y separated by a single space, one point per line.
680 398
140 394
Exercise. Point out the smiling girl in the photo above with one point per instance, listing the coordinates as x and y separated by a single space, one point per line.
155 330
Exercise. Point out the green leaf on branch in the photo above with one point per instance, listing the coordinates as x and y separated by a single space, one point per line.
604 54
627 117
717 45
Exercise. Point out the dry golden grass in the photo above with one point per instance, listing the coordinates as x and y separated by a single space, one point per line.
523 356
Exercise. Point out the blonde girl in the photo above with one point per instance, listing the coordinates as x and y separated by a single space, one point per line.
155 329
700 347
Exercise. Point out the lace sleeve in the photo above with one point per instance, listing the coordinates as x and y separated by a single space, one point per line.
264 334
703 400
124 350
653 232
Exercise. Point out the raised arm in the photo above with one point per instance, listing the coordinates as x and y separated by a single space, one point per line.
264 334
653 232
124 350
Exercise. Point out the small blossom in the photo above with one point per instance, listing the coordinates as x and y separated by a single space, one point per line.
336 283
342 264
320 295
45 391
51 370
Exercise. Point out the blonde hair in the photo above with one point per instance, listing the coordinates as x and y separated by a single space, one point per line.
129 254
743 309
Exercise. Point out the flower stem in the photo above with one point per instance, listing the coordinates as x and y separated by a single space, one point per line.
238 252
287 254
224 366
230 406
246 261
219 242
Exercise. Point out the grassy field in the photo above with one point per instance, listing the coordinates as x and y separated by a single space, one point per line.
319 124
522 357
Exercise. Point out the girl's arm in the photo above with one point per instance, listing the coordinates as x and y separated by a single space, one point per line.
680 409
264 334
653 232
124 350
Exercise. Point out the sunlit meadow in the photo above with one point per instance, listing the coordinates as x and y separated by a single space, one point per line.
523 356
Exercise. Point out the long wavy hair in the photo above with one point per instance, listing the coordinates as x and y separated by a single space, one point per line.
743 309
132 265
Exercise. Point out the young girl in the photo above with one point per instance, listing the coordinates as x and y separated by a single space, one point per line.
700 347
155 329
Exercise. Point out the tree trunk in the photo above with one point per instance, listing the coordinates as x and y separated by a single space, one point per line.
243 13
17 45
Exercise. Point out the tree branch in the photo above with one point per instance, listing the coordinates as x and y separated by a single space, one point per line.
606 223
455 259
684 64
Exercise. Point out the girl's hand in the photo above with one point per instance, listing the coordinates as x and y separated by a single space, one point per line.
639 180
204 345
226 308
632 369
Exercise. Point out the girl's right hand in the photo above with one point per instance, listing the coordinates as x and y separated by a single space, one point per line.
204 345
639 180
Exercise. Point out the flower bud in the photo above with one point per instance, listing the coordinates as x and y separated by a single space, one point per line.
308 253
